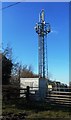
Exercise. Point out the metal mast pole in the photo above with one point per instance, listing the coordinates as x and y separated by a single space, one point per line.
42 29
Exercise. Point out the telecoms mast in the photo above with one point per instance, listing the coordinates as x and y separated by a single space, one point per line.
42 29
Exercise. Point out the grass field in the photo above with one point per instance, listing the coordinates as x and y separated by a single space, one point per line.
36 110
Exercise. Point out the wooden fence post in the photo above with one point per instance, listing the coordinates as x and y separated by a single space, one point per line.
27 93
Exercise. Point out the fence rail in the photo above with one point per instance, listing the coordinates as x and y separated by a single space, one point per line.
53 97
59 97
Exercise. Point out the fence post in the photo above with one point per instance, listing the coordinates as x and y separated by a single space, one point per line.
27 93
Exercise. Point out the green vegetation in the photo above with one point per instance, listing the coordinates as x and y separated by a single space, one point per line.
36 109
6 66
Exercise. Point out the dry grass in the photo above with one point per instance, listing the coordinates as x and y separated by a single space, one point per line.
36 110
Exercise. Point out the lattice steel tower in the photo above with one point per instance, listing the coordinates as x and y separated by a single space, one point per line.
42 29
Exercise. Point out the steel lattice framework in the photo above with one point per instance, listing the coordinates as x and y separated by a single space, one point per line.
42 29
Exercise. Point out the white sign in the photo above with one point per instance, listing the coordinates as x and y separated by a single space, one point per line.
33 83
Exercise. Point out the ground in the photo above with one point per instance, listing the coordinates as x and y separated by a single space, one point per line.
34 110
